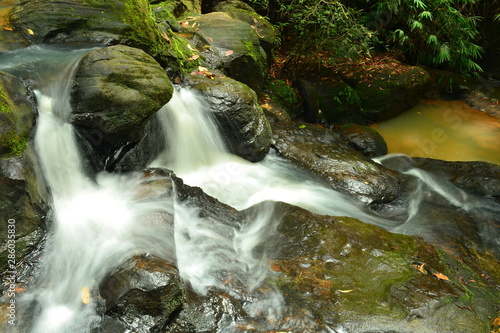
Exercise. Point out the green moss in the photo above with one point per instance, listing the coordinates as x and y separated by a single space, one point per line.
13 143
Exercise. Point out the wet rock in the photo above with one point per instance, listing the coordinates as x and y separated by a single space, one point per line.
142 295
117 89
238 54
361 278
481 178
385 87
325 154
103 22
364 139
22 199
241 119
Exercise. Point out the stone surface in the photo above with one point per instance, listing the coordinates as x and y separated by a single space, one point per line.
325 154
90 21
239 54
116 91
364 139
385 86
242 121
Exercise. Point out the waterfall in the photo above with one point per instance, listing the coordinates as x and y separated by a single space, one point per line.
99 222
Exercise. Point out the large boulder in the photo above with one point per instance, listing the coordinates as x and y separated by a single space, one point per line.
116 90
243 12
242 121
238 54
109 22
326 154
354 277
386 87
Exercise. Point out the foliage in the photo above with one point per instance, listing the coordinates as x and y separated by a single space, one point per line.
436 33
312 27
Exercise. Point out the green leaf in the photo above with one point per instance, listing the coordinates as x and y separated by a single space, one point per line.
432 39
416 25
425 14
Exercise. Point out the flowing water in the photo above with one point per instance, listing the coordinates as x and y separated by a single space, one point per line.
100 222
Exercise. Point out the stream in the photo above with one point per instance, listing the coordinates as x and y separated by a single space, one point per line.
100 221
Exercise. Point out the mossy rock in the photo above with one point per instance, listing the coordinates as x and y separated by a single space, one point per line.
17 116
386 87
238 54
243 12
92 21
116 90
365 279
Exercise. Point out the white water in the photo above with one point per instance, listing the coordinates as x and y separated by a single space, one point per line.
100 223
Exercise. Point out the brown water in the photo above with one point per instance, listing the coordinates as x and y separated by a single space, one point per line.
446 130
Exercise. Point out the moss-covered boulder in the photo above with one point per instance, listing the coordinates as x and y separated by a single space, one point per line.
386 87
238 54
95 21
243 12
326 154
239 115
116 90
17 117
356 277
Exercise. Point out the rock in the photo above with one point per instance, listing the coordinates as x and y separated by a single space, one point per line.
22 204
10 39
108 22
356 277
385 86
242 121
243 12
364 139
17 116
116 91
142 294
324 153
238 54
329 99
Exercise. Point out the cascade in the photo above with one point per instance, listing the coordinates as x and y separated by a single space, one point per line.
99 222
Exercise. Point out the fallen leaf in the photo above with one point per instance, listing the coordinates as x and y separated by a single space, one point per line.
441 276
228 52
210 38
345 291
85 294
191 48
194 57
8 28
421 268
29 31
